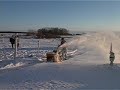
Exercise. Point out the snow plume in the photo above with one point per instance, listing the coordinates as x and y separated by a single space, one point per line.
98 40
103 41
73 44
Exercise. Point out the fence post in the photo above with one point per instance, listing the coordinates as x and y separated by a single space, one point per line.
3 41
15 52
38 46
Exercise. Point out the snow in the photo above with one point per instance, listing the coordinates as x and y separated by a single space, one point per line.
52 84
11 65
87 66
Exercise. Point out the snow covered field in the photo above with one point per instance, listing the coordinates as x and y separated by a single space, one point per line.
87 66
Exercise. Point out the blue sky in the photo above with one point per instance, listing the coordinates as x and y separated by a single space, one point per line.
73 15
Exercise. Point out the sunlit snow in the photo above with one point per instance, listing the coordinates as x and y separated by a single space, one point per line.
87 65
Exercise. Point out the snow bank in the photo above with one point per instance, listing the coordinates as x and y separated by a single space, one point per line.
11 65
18 62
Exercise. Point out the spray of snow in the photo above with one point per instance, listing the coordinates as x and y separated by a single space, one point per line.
103 40
74 42
98 40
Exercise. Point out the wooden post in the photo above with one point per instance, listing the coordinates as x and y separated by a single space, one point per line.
38 46
15 52
3 41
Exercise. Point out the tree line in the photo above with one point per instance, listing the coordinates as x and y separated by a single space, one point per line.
49 32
